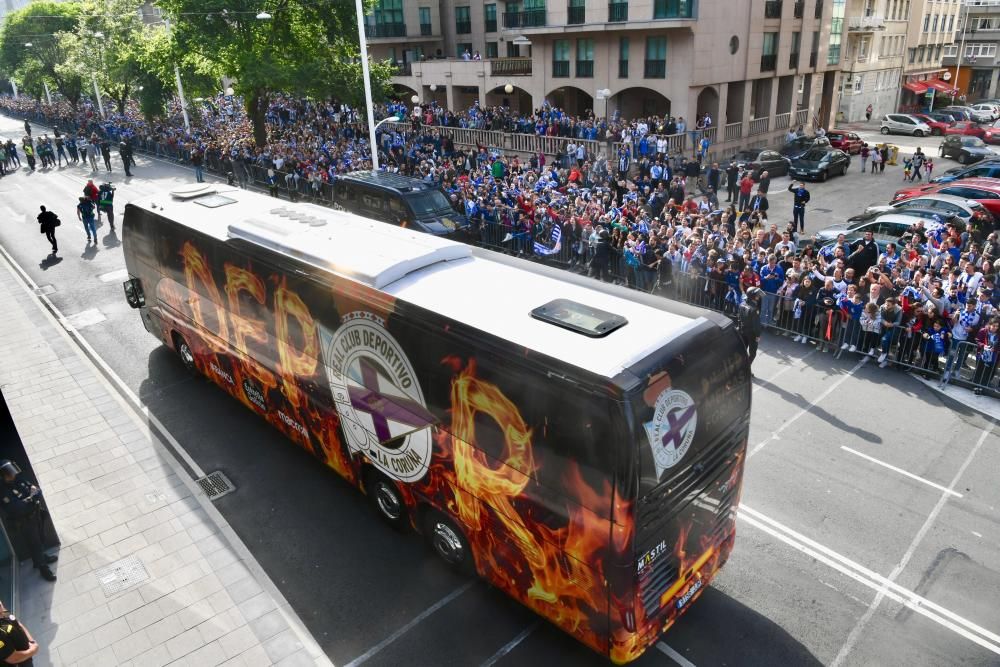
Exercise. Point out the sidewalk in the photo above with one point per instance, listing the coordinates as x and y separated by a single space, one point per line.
183 589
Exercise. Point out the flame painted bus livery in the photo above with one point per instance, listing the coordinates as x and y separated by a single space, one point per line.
578 445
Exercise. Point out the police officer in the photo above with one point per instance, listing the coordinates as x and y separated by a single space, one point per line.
750 322
22 506
17 646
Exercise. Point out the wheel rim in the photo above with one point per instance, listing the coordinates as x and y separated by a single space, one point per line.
388 502
187 356
447 543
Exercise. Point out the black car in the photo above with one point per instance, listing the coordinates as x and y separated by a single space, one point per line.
399 200
819 164
800 145
757 160
989 168
964 148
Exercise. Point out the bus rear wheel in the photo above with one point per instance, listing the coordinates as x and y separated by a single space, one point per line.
448 541
387 499
185 353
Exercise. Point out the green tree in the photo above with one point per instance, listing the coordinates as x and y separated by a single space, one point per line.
157 55
49 28
306 48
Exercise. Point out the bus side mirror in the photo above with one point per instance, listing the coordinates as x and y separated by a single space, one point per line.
133 293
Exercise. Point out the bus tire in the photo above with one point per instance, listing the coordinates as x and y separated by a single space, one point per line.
185 354
448 542
387 500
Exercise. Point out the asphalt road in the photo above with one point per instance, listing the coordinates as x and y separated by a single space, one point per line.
869 532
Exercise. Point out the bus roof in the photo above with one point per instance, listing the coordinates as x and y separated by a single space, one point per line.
478 288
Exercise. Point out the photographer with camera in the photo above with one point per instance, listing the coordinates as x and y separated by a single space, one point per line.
22 507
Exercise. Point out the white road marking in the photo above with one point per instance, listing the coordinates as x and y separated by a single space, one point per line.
904 561
902 472
84 318
674 655
509 646
409 626
812 404
979 535
114 276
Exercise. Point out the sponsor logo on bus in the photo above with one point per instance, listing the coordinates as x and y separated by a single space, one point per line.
221 373
254 394
651 555
378 397
671 431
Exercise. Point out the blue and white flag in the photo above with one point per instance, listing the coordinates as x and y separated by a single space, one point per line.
553 245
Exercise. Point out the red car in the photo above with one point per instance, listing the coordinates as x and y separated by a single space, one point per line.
992 133
986 191
848 142
968 128
938 127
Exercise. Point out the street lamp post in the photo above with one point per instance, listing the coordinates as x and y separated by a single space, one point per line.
180 89
960 54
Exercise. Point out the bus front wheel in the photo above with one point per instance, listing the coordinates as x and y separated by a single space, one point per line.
387 500
185 353
448 541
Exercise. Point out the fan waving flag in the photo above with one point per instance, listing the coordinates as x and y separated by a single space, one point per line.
549 246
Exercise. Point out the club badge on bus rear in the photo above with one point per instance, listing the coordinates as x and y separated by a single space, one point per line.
671 431
378 397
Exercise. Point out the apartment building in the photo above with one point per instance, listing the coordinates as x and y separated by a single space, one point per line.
971 59
872 68
756 66
931 28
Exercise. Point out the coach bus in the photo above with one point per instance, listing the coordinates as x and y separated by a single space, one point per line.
578 445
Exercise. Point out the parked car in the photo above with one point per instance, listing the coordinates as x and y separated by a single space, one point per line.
910 211
945 205
886 227
973 114
989 168
849 142
903 123
965 149
959 113
800 145
991 133
992 110
938 122
757 160
967 128
820 164
986 191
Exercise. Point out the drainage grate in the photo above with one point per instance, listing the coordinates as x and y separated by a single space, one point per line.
122 574
215 485
45 290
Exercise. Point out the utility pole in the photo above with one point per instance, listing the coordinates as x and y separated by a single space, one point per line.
368 84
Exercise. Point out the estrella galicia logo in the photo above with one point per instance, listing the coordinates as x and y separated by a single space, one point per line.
254 394
671 431
378 398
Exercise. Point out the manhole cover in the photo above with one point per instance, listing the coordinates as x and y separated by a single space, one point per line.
215 485
121 574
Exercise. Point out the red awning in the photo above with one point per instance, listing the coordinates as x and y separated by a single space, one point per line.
917 87
938 85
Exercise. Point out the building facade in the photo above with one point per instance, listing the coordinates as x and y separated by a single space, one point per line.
757 67
971 59
931 29
872 67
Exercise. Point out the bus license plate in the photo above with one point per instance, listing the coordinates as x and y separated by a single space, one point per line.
683 600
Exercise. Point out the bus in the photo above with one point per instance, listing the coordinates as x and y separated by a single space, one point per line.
578 445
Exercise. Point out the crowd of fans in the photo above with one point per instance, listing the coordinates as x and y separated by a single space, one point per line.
645 218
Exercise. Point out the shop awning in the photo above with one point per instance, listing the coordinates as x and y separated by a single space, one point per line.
917 87
939 85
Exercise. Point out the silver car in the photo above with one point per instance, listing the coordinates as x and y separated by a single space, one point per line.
904 123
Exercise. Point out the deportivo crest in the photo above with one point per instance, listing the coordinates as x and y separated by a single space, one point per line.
378 397
671 431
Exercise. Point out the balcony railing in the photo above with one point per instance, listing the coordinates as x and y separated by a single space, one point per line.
463 27
622 69
375 30
576 15
560 69
768 63
585 68
655 69
760 125
617 12
793 60
510 67
801 117
865 23
819 9
404 69
733 131
529 19
782 120
426 29
490 25
772 9
813 58
800 8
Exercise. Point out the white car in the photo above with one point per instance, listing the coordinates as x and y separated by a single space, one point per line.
949 205
992 110
904 123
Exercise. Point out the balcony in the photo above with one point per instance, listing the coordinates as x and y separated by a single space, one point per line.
510 67
772 9
403 69
655 69
377 30
585 69
865 23
490 25
673 9
800 8
426 29
793 60
768 63
622 69
617 12
560 69
819 9
534 18
463 27
576 15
